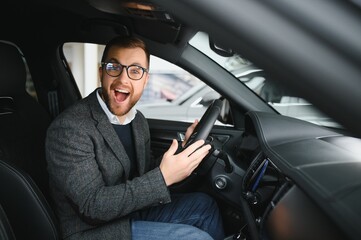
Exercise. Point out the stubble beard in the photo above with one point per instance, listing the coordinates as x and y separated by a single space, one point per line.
118 110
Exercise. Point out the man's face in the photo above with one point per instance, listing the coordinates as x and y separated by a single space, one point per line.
122 93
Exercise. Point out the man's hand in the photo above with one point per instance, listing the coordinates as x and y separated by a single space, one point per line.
176 168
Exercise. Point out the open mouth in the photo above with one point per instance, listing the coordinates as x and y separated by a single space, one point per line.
121 95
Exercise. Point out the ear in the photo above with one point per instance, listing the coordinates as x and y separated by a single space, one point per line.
100 73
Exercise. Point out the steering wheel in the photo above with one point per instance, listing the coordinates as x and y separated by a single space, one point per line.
202 130
205 124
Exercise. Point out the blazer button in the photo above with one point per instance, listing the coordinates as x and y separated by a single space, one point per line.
161 202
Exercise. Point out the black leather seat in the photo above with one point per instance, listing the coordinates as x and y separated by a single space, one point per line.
23 125
6 232
23 121
27 210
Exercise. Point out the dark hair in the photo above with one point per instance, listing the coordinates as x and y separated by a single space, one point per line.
126 42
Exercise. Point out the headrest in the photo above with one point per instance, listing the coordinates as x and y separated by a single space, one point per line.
12 70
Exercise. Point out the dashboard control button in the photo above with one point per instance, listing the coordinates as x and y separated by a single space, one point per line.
220 182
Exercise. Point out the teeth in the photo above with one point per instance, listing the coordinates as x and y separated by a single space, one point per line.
121 91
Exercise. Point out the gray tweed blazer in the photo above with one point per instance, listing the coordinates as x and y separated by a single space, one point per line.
88 173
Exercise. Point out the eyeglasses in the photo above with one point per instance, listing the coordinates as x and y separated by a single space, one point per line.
134 72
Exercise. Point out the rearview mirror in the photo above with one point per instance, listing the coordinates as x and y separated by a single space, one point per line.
219 49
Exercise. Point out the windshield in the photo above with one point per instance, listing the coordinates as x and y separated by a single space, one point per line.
270 90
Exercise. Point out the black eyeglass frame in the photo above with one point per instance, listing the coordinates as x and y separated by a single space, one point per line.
126 67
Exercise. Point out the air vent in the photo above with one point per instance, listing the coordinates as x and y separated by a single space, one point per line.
251 172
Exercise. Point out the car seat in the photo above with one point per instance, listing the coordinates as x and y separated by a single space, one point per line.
6 232
29 214
23 121
23 125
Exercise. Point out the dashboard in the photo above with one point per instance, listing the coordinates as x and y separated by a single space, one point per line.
302 181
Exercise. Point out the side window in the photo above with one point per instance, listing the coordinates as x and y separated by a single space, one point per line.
171 93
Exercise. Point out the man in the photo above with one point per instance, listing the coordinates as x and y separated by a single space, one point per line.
103 180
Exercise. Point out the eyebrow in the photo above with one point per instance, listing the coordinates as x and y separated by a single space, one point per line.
113 60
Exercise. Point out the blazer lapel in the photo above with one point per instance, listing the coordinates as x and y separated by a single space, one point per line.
138 136
108 132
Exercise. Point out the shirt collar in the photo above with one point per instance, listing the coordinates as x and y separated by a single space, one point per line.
113 118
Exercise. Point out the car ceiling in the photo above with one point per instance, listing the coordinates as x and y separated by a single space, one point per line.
320 55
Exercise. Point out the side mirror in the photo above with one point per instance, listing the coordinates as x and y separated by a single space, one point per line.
209 97
225 115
